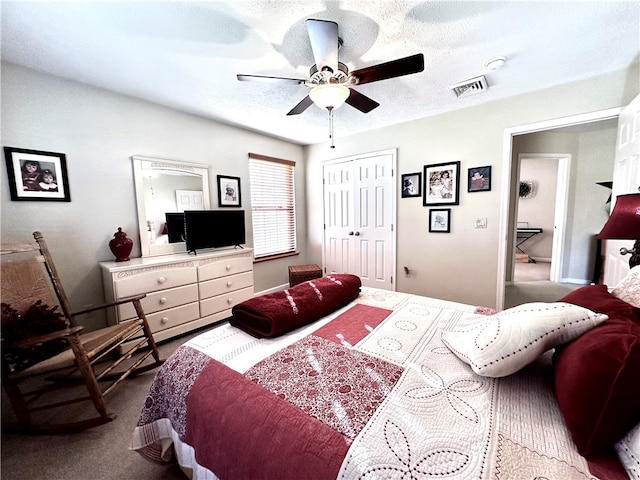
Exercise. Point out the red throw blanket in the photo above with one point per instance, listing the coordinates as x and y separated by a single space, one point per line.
276 313
232 436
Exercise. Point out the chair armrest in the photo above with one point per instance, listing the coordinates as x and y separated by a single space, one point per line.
112 304
47 337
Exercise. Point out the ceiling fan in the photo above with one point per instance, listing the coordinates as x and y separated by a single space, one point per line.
330 80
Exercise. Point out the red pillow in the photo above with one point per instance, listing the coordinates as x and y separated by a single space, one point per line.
597 376
598 299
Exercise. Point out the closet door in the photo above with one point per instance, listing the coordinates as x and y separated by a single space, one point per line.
338 218
359 219
189 200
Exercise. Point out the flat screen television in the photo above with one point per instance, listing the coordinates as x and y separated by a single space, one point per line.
213 229
175 227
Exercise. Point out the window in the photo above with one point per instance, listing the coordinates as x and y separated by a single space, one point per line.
272 205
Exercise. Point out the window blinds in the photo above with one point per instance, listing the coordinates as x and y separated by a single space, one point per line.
272 205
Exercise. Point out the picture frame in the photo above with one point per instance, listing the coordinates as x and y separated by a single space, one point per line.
440 220
441 184
229 191
36 175
479 179
411 184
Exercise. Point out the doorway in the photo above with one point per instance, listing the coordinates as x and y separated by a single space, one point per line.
605 119
541 217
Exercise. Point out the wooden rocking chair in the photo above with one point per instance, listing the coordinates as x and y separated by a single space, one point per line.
44 350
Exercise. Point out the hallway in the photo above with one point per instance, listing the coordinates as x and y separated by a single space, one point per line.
532 272
532 285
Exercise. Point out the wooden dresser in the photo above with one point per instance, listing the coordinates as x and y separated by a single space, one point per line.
184 292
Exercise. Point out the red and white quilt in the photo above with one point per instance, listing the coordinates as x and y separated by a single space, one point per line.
368 392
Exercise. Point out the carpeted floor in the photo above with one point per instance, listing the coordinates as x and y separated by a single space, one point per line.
540 291
531 284
100 453
532 272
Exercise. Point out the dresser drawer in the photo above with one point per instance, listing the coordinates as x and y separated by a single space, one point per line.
173 316
226 301
154 280
222 285
161 300
230 266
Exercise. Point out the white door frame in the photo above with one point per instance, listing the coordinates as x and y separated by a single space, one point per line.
560 218
394 168
504 246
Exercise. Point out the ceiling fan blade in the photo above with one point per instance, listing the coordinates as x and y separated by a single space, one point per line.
323 36
394 68
262 78
360 101
305 103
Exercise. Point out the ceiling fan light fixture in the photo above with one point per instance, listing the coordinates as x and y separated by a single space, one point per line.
329 96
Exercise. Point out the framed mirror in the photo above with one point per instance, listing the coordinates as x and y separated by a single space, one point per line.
166 187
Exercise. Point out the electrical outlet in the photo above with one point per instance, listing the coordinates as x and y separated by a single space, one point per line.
481 223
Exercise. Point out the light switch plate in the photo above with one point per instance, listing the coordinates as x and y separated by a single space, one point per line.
481 223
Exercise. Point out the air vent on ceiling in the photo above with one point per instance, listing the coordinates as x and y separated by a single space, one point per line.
470 87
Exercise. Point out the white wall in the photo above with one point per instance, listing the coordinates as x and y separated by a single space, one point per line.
99 131
460 266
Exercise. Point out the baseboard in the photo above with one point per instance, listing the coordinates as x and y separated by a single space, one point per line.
542 259
575 281
271 290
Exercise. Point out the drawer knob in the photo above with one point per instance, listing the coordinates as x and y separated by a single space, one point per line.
163 300
164 320
228 267
229 301
229 283
162 279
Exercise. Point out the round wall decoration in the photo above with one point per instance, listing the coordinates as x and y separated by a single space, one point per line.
526 189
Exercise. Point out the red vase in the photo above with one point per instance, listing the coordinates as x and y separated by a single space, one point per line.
121 245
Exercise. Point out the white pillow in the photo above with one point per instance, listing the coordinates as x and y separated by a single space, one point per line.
629 287
503 343
628 449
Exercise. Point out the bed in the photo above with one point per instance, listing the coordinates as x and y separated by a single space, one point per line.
392 385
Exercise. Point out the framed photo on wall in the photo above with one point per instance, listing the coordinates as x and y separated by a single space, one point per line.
411 184
441 184
479 179
229 191
37 175
440 220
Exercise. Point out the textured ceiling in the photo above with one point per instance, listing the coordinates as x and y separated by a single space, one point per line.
186 54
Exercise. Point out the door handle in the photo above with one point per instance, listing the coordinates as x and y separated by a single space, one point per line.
357 234
350 233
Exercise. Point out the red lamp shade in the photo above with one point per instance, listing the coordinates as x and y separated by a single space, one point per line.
624 222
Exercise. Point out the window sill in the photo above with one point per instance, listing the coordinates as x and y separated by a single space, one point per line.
275 257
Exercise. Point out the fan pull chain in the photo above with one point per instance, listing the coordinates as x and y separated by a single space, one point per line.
331 125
